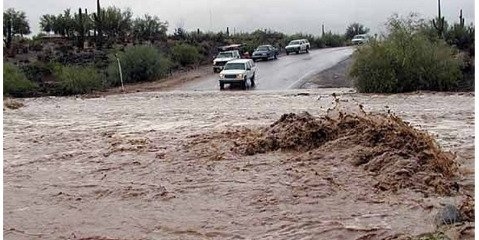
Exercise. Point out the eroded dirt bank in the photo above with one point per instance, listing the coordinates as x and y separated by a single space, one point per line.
174 166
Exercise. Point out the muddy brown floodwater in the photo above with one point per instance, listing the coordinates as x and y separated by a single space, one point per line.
186 165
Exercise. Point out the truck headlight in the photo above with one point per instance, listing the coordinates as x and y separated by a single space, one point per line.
240 76
222 76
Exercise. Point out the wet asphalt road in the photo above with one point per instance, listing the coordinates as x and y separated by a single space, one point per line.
287 72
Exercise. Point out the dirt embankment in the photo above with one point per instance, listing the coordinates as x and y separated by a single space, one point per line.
177 78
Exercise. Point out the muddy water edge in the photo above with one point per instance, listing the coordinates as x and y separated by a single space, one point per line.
148 166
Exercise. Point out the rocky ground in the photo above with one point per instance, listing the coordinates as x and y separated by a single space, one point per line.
232 165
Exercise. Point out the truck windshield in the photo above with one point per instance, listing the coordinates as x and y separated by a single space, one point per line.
294 43
234 66
262 48
225 55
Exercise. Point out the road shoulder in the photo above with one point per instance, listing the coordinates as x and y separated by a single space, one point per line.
334 77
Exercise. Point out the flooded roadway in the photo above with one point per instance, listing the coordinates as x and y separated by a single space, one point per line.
287 72
123 167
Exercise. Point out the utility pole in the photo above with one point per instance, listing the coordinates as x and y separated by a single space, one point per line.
211 21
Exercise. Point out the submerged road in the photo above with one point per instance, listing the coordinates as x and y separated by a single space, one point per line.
287 72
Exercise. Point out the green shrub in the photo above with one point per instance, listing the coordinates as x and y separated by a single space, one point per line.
15 82
36 71
77 80
185 54
462 37
406 61
138 64
332 40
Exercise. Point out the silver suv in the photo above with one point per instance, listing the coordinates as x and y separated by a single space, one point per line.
223 58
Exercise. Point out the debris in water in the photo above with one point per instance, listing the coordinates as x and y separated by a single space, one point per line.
12 104
399 155
448 215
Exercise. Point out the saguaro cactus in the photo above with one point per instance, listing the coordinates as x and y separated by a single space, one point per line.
88 22
9 33
461 19
99 18
81 25
439 23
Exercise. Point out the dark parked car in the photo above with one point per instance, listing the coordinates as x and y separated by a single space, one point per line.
265 52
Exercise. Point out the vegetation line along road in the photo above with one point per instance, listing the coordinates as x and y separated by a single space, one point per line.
88 40
75 52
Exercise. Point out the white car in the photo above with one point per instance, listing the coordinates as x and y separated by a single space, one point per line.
223 58
238 72
360 39
297 46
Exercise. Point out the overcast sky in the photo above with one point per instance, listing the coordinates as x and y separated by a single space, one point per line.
289 16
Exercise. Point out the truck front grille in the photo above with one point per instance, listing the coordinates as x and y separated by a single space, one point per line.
230 76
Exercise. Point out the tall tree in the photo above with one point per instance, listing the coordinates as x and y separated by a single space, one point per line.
355 29
14 23
117 23
149 28
58 25
68 22
63 24
46 22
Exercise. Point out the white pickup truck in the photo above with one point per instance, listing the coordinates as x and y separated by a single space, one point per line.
223 58
297 46
360 39
238 72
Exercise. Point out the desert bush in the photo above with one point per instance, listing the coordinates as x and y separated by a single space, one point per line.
36 71
317 43
77 80
406 61
462 37
332 40
185 54
15 83
139 63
